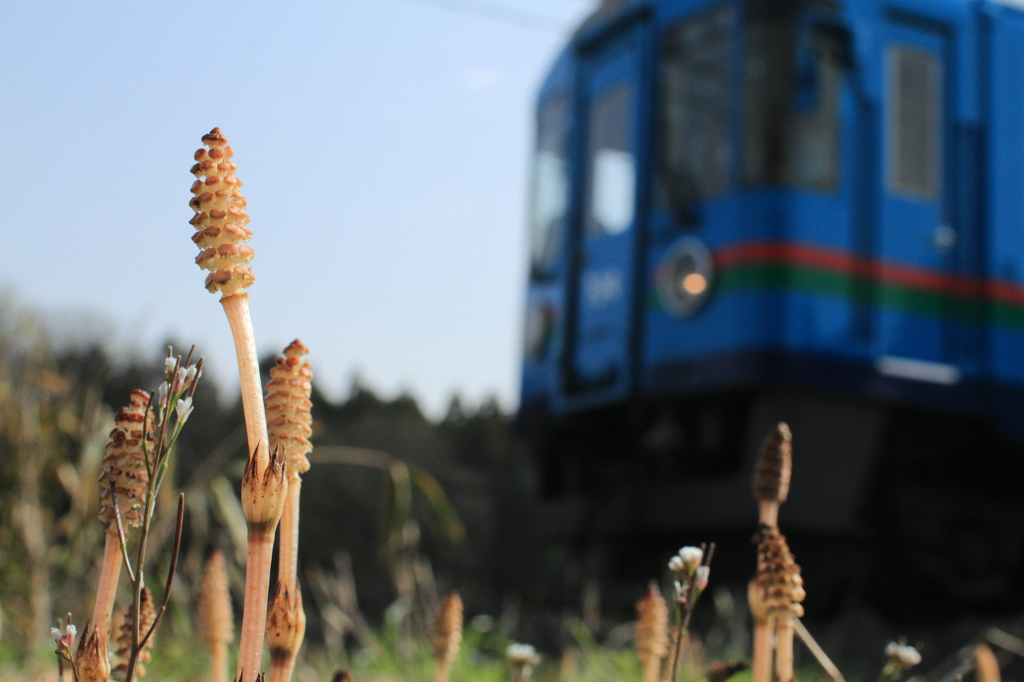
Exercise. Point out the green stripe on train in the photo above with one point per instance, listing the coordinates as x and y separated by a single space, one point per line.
963 308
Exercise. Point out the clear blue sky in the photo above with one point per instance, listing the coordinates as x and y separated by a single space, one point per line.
384 149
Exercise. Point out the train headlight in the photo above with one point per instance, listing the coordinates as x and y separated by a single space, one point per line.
684 277
539 327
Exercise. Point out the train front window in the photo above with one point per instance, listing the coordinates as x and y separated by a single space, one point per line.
611 168
550 186
696 88
793 73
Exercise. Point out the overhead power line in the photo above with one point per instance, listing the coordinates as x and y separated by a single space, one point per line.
502 13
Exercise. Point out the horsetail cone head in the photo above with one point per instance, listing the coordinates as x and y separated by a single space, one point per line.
124 461
652 624
288 404
778 574
774 466
446 637
220 219
216 620
147 616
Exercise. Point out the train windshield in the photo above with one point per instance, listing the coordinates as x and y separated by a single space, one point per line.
696 84
550 185
792 78
786 72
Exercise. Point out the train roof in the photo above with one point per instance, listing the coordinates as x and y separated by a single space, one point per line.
612 12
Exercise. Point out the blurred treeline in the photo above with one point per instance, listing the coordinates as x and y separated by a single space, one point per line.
396 509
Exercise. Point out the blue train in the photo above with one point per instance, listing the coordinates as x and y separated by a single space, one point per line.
746 211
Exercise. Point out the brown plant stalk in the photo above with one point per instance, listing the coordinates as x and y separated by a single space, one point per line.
772 475
446 637
289 424
761 667
216 619
220 221
782 586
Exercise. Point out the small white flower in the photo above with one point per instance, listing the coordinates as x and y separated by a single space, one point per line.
179 378
907 655
191 374
162 392
65 639
691 557
700 577
169 365
184 409
676 563
680 589
522 654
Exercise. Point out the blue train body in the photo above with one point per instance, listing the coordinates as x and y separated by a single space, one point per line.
733 194
747 211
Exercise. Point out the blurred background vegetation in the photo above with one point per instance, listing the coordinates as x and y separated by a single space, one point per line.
402 506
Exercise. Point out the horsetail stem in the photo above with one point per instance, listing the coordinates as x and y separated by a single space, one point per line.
220 221
289 425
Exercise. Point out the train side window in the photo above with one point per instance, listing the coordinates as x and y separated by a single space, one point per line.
696 85
549 185
611 168
913 121
792 81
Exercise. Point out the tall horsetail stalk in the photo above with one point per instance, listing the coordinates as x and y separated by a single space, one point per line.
778 587
652 640
290 425
771 488
220 221
446 637
124 467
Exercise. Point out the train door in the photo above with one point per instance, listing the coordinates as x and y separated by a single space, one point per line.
916 236
600 334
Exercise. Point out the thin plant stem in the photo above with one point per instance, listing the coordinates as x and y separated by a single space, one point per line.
237 310
138 584
119 525
254 618
170 571
690 601
288 547
219 662
815 648
761 668
261 534
784 648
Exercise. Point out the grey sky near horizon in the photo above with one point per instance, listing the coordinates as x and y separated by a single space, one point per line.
384 148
